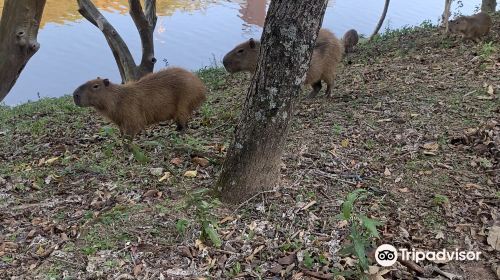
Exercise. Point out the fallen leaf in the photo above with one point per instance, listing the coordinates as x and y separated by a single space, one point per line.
387 172
191 173
138 269
345 143
203 162
496 269
374 273
166 176
431 146
176 161
404 190
286 260
151 193
494 237
472 186
491 90
440 235
51 160
156 171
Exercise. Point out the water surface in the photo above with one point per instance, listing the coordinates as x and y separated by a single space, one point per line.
189 33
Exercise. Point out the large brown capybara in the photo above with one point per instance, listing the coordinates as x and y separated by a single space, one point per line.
350 39
170 94
472 27
326 57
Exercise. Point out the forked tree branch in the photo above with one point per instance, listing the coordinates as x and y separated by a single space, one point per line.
145 24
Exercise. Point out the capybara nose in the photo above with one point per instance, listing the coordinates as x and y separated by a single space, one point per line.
76 98
225 62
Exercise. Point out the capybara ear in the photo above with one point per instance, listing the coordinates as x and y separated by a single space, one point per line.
252 43
106 82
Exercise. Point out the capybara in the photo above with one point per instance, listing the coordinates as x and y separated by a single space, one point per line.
472 27
350 40
169 94
326 57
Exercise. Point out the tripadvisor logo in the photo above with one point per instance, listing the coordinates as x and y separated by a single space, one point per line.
387 255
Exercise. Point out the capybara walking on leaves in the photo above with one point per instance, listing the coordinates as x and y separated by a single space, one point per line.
326 57
170 94
472 27
350 40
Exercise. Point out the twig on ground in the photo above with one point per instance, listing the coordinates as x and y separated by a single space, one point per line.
248 200
317 275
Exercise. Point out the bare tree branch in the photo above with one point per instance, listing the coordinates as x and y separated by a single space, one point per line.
19 30
151 12
146 27
445 18
122 54
381 20
145 23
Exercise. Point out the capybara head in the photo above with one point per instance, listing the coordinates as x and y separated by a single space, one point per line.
91 93
458 24
243 57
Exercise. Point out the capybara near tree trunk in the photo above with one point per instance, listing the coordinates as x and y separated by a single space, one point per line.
326 57
170 94
350 40
472 27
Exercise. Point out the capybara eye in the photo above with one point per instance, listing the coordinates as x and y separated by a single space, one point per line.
96 86
241 50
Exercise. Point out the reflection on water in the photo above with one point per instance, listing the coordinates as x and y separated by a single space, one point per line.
65 11
189 33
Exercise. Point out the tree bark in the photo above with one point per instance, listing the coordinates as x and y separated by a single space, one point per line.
381 20
18 32
145 22
488 6
445 18
253 160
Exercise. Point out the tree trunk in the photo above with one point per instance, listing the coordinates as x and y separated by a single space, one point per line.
488 6
145 22
18 32
381 20
253 160
445 18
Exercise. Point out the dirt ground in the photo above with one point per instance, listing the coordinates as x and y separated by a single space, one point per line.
414 120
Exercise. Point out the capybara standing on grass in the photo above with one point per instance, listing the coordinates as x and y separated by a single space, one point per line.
170 94
326 57
472 27
350 40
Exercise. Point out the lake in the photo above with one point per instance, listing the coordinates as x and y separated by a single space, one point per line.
190 33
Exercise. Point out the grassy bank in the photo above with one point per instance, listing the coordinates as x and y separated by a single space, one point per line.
412 121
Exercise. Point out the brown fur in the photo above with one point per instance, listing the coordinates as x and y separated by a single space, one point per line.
472 27
172 93
350 40
326 57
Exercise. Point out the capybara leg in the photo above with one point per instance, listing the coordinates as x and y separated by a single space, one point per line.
328 90
316 88
181 127
181 121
